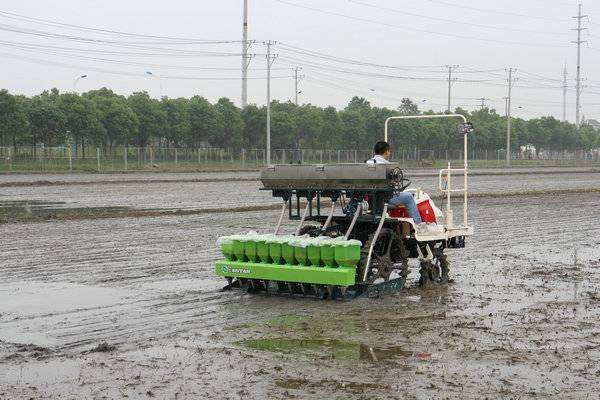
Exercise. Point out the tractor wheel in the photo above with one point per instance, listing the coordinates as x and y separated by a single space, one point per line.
389 254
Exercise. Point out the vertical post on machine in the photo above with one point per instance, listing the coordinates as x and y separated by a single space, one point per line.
449 213
467 129
465 186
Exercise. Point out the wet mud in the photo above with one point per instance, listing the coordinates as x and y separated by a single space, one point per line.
57 179
519 320
109 200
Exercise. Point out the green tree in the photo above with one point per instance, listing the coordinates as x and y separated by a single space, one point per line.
47 121
119 122
177 120
203 121
13 118
353 129
308 120
407 107
331 134
82 119
151 118
255 126
230 125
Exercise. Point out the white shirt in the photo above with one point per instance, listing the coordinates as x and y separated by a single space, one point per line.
377 159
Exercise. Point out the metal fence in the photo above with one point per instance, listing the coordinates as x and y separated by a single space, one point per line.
69 158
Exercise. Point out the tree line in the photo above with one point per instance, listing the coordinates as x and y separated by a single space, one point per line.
102 118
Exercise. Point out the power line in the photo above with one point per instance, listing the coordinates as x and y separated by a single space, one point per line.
133 74
164 53
132 45
81 57
540 77
351 84
11 15
329 57
493 11
413 29
291 60
454 21
39 33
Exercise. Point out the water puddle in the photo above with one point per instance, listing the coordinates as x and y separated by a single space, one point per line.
327 349
26 299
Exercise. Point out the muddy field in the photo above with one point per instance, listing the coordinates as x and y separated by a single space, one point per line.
6 178
129 308
217 193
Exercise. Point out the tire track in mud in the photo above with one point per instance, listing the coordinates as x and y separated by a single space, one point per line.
155 259
163 266
174 198
75 215
253 176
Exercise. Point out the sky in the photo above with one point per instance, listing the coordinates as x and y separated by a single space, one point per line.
382 50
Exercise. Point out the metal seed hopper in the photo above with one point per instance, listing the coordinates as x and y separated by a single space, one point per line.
346 244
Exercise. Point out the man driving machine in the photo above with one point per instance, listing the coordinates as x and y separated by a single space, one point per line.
382 154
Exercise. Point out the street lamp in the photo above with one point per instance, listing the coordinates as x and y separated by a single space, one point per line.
376 96
77 80
150 74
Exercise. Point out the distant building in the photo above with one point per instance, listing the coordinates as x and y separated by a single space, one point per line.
593 123
528 152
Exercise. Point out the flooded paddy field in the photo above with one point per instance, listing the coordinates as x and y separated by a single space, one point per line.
219 193
18 178
130 308
76 178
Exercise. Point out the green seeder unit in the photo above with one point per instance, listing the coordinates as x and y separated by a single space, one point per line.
289 260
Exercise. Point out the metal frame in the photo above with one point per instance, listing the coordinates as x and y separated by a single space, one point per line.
376 237
464 170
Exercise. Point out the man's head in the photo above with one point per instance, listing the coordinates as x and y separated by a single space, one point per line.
382 149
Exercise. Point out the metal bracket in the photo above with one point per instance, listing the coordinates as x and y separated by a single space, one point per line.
356 214
281 217
328 221
377 232
303 218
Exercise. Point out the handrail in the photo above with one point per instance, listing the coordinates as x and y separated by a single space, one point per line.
385 135
465 155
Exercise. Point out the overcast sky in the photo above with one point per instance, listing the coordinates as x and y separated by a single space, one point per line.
355 42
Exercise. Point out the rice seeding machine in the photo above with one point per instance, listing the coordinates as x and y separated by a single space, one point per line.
359 250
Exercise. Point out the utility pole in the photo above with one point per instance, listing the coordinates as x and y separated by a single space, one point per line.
296 77
579 29
508 121
270 61
483 100
565 86
245 59
450 80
